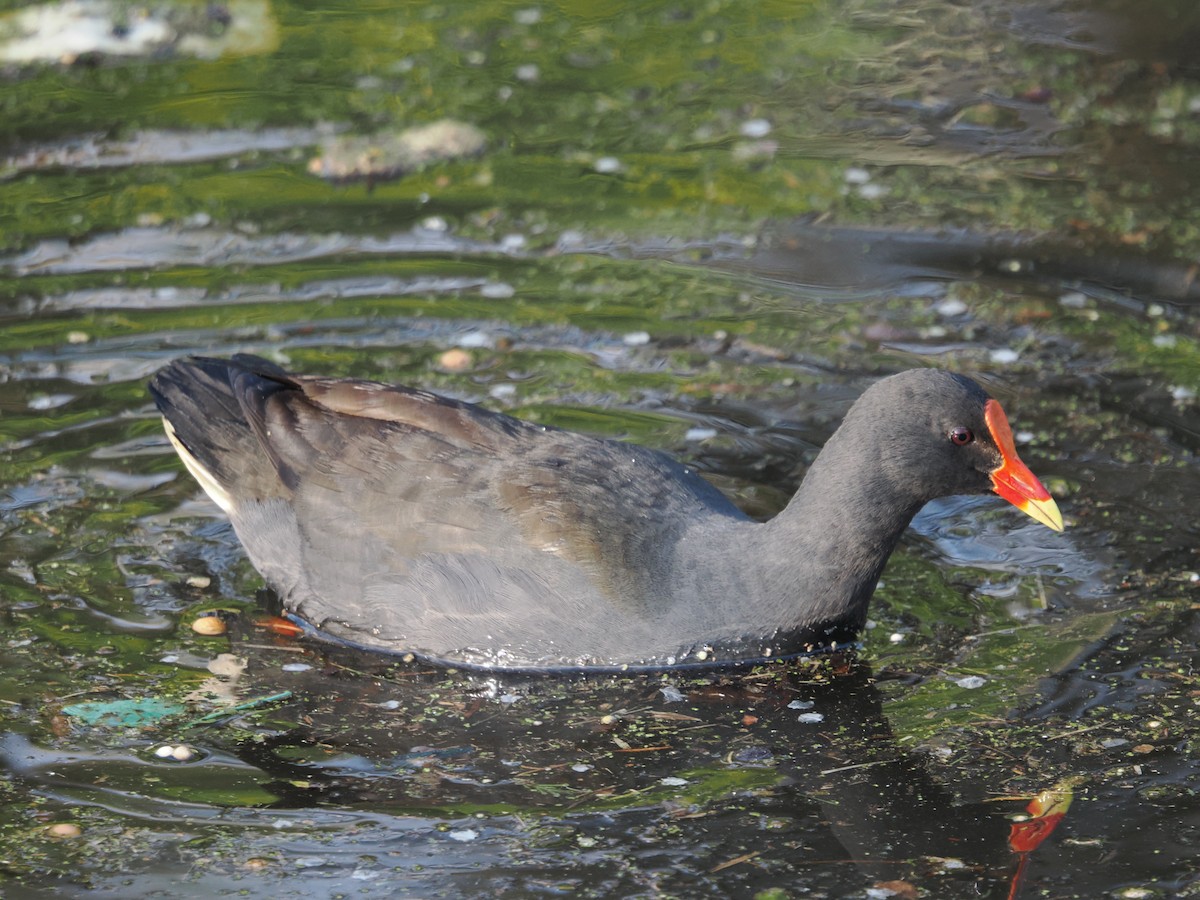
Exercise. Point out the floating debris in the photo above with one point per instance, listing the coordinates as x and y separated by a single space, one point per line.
115 713
391 154
62 831
497 290
671 694
65 32
950 307
636 338
755 128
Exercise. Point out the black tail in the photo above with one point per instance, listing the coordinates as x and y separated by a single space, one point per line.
212 406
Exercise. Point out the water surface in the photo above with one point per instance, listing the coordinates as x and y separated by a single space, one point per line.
705 229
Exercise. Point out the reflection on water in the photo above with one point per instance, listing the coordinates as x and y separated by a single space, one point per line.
460 775
706 230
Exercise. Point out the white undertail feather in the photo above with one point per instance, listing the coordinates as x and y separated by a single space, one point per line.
219 495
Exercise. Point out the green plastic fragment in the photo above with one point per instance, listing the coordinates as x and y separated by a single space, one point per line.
116 713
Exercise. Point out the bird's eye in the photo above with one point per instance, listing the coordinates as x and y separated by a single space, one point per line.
961 435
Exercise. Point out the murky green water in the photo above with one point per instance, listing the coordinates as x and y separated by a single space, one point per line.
703 227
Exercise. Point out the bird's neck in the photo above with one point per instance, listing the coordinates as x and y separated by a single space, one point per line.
826 550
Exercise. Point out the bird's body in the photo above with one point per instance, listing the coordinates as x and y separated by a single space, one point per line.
409 523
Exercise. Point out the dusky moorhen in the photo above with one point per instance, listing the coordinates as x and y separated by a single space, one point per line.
409 523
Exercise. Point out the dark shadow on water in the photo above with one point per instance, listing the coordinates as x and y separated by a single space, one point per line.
804 253
786 775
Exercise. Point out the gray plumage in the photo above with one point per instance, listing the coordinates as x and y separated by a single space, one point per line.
411 523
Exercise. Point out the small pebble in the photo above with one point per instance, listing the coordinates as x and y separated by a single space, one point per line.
166 751
896 637
607 165
1073 300
182 753
455 360
971 682
209 625
856 175
295 667
636 338
390 704
810 718
78 337
436 224
581 767
672 781
1004 355
198 581
62 831
700 434
528 72
872 191
801 704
